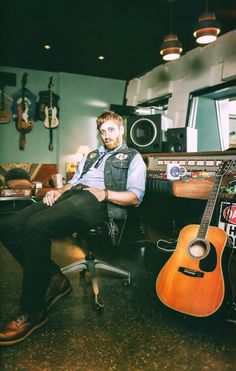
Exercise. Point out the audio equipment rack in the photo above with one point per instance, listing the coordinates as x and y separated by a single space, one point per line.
197 164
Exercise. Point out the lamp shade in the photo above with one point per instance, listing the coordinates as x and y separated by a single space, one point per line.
207 29
171 48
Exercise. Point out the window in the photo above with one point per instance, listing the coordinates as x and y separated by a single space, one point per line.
212 112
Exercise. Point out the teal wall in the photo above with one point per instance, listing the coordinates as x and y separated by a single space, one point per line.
82 99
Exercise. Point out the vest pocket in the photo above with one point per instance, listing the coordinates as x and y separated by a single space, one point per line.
118 175
120 164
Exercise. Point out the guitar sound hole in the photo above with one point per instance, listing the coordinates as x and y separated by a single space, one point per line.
198 249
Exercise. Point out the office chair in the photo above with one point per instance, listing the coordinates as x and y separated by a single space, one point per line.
90 263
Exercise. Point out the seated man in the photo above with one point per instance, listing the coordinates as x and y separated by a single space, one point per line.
109 179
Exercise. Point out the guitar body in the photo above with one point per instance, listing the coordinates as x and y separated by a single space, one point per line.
51 121
195 279
5 116
23 122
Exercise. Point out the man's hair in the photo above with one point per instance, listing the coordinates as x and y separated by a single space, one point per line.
109 115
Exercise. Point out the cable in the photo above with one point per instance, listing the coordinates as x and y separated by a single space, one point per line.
173 242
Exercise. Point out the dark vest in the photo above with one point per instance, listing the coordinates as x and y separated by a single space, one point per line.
115 174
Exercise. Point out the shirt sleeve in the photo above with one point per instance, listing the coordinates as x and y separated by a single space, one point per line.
136 179
75 179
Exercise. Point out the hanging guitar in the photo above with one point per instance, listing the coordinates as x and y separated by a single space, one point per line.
24 123
195 279
5 116
51 120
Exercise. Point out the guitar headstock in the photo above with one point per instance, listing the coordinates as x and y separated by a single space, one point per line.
51 82
24 80
224 168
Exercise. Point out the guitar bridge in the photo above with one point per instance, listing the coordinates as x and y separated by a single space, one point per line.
191 272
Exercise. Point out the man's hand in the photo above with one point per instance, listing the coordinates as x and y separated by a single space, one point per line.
51 197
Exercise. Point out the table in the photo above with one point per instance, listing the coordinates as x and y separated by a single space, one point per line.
12 204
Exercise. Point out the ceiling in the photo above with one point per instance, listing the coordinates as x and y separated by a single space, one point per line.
128 33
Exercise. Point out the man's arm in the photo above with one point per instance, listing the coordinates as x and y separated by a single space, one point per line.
122 198
53 195
126 198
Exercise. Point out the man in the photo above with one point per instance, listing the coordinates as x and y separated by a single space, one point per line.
107 181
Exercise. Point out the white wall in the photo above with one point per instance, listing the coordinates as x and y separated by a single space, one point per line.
201 67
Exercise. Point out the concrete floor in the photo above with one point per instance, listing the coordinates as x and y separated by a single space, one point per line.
135 332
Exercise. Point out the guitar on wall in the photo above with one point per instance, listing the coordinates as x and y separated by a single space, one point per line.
5 116
51 120
195 279
24 123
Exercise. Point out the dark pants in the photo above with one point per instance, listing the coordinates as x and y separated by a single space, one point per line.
28 233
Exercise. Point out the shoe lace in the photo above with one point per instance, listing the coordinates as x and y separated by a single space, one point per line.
21 319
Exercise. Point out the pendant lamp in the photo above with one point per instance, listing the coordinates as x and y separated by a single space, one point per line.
207 29
171 47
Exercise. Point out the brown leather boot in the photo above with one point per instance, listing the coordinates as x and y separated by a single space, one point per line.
19 329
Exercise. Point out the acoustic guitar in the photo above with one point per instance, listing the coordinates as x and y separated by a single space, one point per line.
24 123
5 116
195 279
51 120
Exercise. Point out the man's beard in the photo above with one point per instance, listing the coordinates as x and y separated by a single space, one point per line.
113 144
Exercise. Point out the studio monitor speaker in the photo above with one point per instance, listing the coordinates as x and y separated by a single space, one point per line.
146 133
181 140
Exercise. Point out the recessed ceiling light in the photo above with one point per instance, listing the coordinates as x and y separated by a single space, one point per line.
101 57
47 46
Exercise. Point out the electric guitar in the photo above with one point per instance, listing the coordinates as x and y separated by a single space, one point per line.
24 123
5 116
51 121
195 279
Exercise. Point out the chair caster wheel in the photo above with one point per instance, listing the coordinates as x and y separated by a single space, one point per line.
99 303
126 282
99 306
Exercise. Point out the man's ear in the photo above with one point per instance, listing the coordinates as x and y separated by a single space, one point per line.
122 130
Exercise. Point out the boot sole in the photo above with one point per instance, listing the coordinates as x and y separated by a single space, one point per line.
17 341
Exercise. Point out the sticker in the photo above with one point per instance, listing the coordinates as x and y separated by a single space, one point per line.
227 221
92 155
121 156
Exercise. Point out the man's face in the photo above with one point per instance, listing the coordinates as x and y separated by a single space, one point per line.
111 134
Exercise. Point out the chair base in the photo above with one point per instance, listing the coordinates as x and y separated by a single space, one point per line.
89 264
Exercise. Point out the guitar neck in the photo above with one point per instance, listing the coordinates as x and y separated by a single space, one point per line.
24 82
50 107
207 215
50 102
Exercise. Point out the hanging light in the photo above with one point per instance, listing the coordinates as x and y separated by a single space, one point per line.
207 28
171 47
